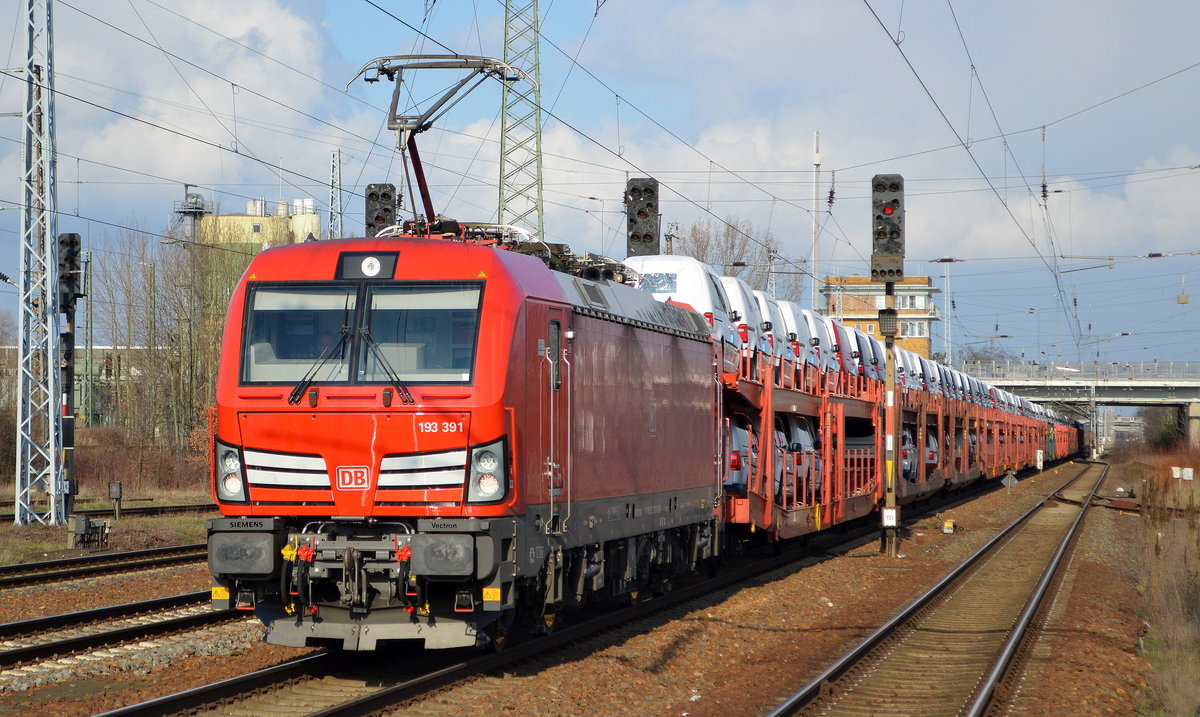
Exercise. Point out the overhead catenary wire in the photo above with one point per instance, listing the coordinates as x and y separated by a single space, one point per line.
756 178
1049 263
285 64
632 165
248 48
147 232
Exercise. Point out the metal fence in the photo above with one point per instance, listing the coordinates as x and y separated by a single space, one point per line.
1088 370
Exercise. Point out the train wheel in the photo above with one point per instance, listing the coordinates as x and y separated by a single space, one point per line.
546 623
712 566
497 638
499 633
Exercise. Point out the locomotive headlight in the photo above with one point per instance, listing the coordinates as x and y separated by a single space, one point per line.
489 486
230 462
488 480
230 482
486 462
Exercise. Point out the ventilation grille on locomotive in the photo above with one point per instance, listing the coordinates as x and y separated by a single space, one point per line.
286 470
423 479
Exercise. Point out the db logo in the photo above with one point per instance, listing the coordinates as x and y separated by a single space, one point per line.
353 477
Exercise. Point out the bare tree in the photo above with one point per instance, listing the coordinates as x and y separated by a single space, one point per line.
203 279
8 373
987 353
1161 425
734 247
8 395
161 307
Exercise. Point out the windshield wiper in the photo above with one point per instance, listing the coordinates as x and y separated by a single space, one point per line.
393 378
298 392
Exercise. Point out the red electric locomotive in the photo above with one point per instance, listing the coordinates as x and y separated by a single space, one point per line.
422 439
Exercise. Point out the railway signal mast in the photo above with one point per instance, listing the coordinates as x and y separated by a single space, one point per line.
887 265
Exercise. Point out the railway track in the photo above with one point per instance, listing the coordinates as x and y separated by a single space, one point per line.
329 683
58 635
345 683
9 503
22 574
142 511
953 650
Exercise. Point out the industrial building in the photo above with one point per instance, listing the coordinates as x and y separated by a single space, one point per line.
856 300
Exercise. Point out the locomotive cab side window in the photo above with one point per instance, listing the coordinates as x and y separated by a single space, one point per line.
555 351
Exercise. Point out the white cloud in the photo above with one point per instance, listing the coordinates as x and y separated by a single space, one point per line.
741 85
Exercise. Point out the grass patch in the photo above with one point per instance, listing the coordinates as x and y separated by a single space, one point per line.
149 476
32 543
1170 580
91 500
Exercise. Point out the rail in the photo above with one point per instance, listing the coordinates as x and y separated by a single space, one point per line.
19 574
989 689
143 510
817 687
102 638
10 630
409 687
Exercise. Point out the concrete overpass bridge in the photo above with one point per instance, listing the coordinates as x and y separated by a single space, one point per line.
1087 385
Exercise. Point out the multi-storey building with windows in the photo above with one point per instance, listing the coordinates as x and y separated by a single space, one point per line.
856 300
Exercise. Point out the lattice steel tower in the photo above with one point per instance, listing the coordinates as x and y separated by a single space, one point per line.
521 126
39 427
335 195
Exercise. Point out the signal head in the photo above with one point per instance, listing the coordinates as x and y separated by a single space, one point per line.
887 238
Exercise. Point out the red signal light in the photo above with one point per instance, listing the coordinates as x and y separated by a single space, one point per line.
889 209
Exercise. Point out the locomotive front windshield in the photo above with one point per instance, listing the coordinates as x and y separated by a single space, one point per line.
425 334
291 328
353 333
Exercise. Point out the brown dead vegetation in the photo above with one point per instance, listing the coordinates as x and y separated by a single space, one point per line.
1170 581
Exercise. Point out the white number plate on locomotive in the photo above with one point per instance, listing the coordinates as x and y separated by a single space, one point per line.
441 426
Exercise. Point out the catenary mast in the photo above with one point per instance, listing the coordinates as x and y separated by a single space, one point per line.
39 427
521 126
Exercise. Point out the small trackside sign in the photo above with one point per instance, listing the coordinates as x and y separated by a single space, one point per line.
353 477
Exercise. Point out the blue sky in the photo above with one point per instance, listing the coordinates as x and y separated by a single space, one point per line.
719 100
